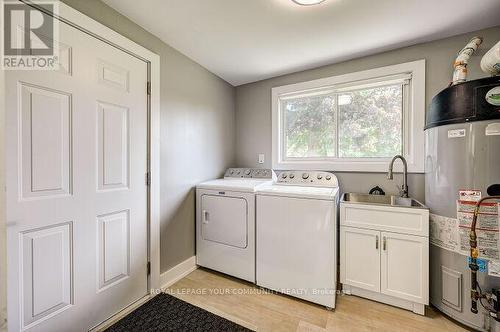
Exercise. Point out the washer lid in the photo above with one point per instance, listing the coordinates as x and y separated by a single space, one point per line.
324 193
242 185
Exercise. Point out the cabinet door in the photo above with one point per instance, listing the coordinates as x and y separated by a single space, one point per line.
405 267
360 258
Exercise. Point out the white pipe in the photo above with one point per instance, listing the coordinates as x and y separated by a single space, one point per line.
460 65
490 63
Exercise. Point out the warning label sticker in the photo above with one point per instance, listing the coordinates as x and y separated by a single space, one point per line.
486 207
469 195
453 233
487 227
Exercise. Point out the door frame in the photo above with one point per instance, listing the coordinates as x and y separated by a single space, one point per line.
95 29
3 214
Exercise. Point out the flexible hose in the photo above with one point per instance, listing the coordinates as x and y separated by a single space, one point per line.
474 253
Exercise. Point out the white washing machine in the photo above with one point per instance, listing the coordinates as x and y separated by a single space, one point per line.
225 221
297 235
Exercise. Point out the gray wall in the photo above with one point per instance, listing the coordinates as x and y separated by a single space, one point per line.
3 244
197 130
253 101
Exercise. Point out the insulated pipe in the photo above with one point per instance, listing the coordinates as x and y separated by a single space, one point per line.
490 63
460 64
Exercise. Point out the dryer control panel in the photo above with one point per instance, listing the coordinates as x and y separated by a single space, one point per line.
309 178
250 173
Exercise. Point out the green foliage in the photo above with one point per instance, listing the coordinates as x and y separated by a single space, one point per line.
369 124
310 126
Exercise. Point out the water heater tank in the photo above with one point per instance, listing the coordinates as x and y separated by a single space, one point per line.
462 158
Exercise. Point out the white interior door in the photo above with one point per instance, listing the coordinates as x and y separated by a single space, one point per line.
404 266
76 189
360 258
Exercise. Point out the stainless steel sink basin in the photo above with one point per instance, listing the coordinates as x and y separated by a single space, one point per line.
382 200
407 202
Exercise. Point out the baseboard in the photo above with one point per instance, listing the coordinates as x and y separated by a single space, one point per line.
3 320
178 272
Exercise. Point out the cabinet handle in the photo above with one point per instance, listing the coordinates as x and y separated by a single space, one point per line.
204 216
376 241
385 243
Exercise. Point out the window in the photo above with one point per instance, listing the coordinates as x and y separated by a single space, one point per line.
310 126
353 122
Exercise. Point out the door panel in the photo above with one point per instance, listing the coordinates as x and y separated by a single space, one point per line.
47 276
45 141
360 258
76 191
404 266
113 76
114 248
113 146
224 220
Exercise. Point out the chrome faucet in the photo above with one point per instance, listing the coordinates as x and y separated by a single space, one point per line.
404 188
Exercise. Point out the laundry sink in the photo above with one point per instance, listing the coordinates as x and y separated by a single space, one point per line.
382 200
406 202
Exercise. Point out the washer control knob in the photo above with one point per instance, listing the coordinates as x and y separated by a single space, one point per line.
284 175
292 176
238 172
247 172
320 176
328 177
305 176
232 171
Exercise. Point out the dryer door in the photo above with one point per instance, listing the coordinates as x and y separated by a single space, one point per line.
224 220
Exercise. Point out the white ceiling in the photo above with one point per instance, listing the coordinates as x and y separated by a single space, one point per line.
244 41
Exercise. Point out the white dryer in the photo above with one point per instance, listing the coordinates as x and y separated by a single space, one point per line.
225 221
297 236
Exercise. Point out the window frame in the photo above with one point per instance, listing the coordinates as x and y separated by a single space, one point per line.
413 119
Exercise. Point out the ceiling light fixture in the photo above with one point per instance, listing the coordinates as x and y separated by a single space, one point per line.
308 2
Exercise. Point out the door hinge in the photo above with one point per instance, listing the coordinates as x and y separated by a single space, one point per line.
148 88
149 268
148 178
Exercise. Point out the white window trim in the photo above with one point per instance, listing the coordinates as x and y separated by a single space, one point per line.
413 122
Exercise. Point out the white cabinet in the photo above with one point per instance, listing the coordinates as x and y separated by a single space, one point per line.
389 267
404 266
360 263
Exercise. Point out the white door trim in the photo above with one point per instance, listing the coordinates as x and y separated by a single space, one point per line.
3 233
100 31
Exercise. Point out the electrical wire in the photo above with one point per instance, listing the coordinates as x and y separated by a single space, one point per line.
481 300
